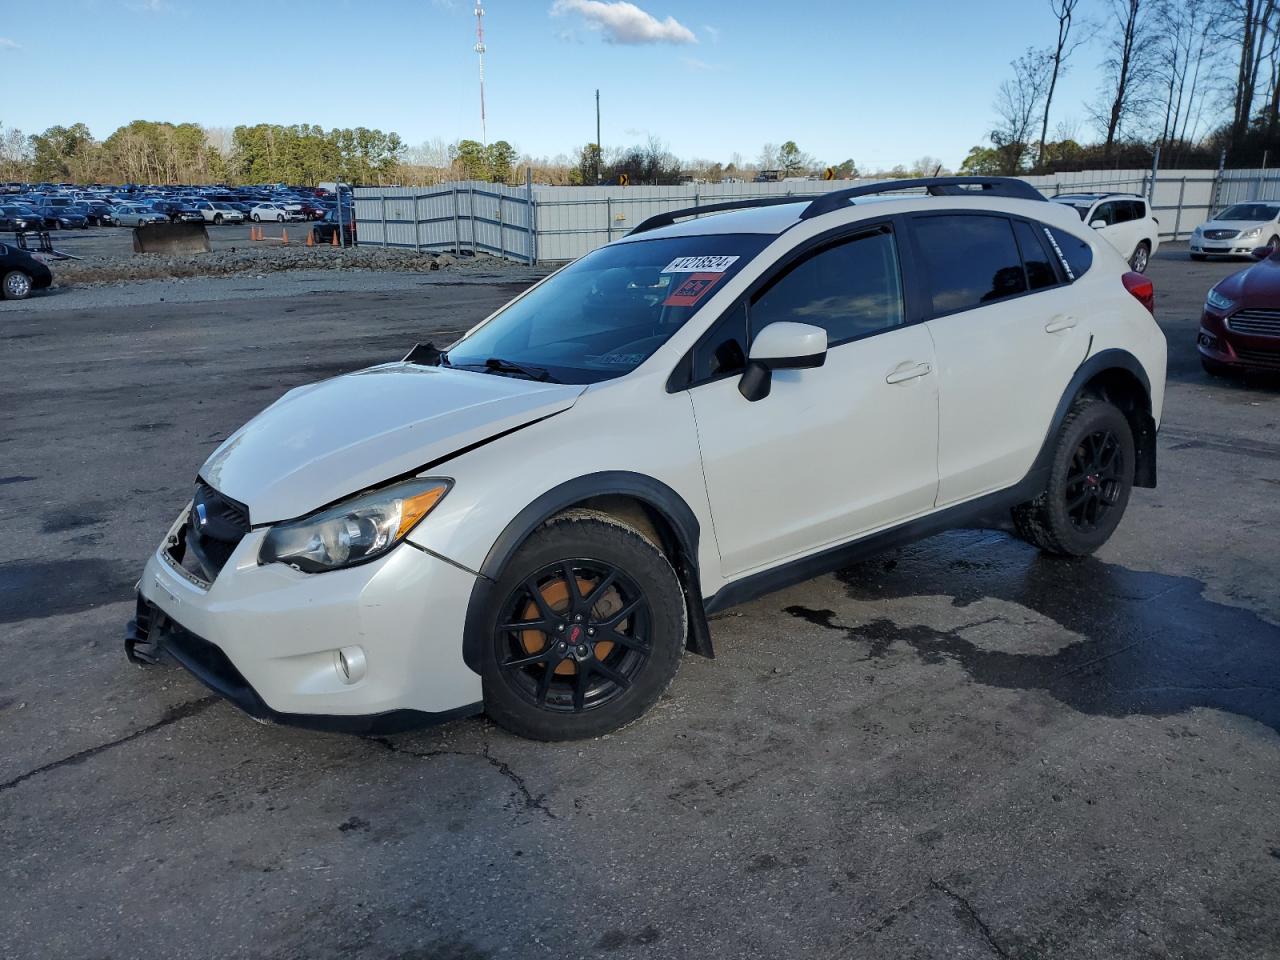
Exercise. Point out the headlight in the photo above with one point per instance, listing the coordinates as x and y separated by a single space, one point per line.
361 529
1218 301
1251 234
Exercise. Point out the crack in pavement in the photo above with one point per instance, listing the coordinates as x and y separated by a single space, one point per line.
531 802
972 914
171 716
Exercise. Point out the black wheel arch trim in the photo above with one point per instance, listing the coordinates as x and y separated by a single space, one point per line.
654 494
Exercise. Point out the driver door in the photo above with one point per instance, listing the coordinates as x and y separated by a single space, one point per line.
832 452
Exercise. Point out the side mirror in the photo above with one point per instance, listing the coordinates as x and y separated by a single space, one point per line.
1098 224
781 346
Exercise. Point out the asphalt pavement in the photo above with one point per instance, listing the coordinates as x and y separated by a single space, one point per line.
958 749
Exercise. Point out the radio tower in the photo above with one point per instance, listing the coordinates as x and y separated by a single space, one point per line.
484 136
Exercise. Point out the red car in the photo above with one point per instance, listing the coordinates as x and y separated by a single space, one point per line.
1240 326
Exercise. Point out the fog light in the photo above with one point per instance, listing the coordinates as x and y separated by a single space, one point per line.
350 664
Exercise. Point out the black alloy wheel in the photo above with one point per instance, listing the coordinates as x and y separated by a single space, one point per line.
574 635
1095 479
586 630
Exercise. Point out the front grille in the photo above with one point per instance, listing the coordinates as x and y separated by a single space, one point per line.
1262 323
215 528
1260 358
1220 234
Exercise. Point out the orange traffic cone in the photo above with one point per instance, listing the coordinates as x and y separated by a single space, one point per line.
334 239
310 239
284 236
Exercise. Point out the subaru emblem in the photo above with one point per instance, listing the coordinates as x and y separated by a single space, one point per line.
202 516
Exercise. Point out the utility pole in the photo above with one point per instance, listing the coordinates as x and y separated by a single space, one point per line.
599 148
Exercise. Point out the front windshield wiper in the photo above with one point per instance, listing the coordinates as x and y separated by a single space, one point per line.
499 365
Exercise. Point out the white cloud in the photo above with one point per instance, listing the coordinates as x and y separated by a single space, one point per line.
698 66
148 6
7 44
712 32
623 22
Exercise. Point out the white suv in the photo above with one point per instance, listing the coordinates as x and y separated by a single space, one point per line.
537 521
1124 219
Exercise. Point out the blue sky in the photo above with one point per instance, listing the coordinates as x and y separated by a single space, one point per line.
883 83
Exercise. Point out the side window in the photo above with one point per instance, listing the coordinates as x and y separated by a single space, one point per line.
1075 254
1137 209
969 260
851 289
1040 271
723 351
1125 210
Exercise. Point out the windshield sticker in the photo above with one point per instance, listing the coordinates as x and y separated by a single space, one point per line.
693 289
710 264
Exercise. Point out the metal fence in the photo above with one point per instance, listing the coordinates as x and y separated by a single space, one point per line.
555 224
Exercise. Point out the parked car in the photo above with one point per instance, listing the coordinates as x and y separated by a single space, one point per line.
21 273
63 218
1124 219
1237 230
217 212
19 218
272 211
324 229
137 215
97 214
701 412
1240 325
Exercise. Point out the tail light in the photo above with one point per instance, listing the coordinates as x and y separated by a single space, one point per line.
1142 288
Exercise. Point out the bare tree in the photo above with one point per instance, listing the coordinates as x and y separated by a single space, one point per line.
1248 24
1017 105
1186 52
1128 69
1064 11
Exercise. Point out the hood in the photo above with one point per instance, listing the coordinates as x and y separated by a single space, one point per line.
329 440
1237 225
1257 285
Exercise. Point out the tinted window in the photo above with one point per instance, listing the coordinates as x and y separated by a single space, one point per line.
723 351
1249 211
850 290
1036 259
1074 252
968 260
1137 209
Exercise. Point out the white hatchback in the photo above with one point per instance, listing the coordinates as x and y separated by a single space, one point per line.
1125 219
537 521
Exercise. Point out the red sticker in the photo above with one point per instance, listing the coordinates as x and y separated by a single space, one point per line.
693 289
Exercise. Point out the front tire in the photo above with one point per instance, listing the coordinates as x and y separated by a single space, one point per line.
17 285
279 218
587 631
217 220
257 219
1090 480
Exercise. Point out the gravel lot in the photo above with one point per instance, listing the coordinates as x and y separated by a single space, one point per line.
961 749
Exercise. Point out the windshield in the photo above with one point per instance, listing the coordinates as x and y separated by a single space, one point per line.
1249 211
605 314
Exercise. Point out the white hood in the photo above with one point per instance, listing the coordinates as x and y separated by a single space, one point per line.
328 440
1240 226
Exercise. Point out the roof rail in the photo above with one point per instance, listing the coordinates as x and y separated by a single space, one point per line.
935 186
671 216
836 199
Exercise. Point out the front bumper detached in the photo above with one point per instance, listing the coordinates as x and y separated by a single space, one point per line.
152 633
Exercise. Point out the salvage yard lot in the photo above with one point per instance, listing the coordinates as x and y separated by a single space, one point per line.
958 749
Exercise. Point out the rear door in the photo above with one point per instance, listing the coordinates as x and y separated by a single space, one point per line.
1008 333
832 452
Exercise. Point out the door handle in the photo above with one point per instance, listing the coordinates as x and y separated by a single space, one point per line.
908 371
1059 324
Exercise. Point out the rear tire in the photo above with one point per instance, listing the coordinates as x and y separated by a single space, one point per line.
614 617
256 218
1141 258
17 285
1090 480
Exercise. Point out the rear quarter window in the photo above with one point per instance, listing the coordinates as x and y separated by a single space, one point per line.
1075 254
